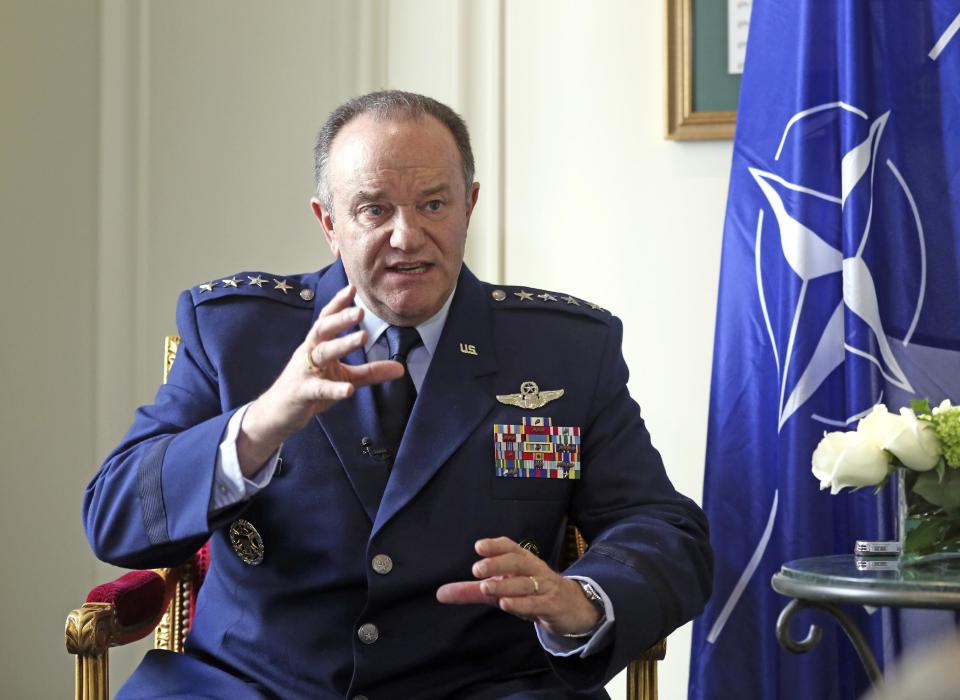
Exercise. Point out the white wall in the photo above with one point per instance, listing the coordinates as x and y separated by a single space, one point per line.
206 113
48 225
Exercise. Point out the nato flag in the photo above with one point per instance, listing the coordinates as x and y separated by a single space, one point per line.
839 289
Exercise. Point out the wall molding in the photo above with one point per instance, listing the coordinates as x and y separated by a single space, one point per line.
120 219
481 83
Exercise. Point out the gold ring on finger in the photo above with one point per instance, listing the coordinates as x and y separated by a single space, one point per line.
311 365
536 584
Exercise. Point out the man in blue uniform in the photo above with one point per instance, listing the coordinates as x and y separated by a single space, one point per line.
384 454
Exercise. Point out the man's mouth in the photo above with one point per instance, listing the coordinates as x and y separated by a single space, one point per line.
409 268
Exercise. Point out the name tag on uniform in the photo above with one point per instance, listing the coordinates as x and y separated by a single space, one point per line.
536 449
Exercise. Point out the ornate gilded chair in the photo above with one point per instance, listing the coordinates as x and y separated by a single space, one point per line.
162 601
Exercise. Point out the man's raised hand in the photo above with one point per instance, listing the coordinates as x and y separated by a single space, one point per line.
312 381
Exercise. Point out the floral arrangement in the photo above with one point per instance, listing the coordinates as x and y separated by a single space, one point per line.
918 438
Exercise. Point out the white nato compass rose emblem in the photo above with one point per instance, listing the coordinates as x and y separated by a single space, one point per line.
813 223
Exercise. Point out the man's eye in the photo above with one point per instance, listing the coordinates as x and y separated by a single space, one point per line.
434 205
374 210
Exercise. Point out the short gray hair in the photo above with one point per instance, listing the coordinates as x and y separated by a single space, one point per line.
382 105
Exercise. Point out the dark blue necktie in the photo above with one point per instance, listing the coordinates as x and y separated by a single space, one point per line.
395 398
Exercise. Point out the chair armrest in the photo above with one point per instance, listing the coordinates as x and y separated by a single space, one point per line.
121 611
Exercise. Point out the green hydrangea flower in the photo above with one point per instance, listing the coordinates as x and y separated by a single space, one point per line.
946 421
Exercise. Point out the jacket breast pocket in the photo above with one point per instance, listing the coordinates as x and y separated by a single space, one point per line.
531 489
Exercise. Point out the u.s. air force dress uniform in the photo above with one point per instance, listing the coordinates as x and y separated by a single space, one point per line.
328 587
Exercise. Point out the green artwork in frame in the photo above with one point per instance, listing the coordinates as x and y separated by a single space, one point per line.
701 94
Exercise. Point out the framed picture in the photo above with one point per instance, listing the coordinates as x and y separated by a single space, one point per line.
701 93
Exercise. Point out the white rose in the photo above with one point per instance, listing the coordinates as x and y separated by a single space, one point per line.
849 459
880 424
913 442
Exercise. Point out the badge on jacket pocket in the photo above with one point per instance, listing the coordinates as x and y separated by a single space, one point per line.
536 449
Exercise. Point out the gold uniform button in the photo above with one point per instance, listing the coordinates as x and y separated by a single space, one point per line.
368 633
498 295
382 564
306 294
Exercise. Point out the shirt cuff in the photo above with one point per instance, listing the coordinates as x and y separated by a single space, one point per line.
230 487
558 645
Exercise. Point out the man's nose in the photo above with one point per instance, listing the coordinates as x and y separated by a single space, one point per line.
407 232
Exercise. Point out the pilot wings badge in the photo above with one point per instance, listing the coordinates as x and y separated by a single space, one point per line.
530 396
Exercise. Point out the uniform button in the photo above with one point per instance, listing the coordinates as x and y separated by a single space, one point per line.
382 564
498 295
359 697
368 633
306 294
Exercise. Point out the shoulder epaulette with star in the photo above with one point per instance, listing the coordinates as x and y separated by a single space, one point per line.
289 289
504 296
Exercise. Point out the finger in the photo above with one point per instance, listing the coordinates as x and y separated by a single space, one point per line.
513 564
372 372
341 300
511 586
320 389
333 350
328 327
527 607
464 593
492 546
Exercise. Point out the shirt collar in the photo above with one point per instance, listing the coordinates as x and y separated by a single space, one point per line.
429 330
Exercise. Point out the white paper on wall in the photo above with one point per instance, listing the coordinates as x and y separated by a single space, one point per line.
738 24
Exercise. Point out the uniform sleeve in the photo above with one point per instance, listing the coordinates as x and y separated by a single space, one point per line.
148 504
649 547
230 486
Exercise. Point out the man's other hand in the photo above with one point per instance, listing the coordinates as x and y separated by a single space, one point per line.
313 380
520 583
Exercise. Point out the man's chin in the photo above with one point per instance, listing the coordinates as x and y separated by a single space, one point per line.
409 309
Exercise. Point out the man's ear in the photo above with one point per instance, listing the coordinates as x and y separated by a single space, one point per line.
326 223
472 199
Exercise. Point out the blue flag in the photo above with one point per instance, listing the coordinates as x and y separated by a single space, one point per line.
839 289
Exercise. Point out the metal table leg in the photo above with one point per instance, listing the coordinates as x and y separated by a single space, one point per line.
814 634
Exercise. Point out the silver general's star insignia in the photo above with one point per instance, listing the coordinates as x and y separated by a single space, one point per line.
258 280
283 286
232 282
207 287
530 396
570 300
524 295
595 306
546 296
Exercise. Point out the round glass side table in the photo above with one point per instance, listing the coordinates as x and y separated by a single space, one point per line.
827 582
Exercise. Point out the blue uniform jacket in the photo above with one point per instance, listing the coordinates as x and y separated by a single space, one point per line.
288 626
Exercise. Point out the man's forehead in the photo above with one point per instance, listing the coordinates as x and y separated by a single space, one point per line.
367 144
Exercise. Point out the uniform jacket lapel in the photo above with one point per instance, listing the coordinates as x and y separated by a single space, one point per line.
455 396
347 423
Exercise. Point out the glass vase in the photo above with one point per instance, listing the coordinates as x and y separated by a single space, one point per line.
928 511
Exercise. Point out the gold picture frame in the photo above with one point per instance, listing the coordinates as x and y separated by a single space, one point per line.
683 122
